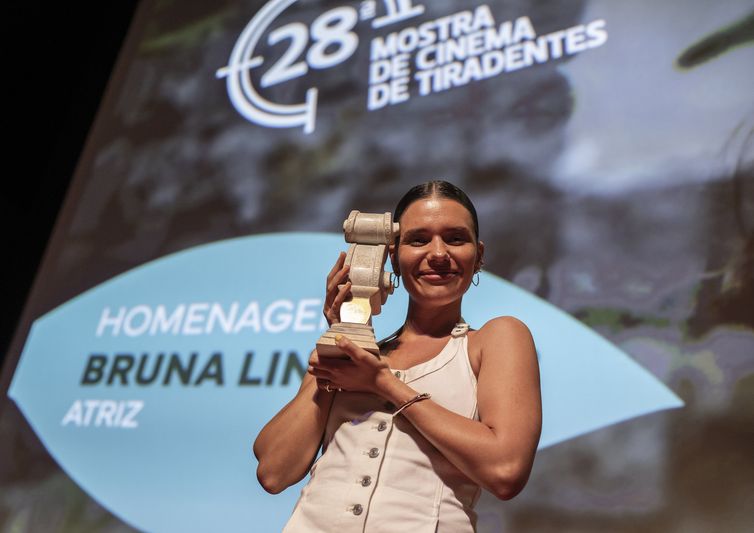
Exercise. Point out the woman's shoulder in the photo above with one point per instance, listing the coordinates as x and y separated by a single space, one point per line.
499 343
501 331
506 325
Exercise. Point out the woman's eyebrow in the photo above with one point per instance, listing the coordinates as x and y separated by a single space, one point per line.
423 231
414 232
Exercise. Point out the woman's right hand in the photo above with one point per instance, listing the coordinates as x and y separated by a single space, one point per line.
361 371
334 296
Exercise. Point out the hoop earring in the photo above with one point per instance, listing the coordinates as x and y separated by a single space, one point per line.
475 279
396 280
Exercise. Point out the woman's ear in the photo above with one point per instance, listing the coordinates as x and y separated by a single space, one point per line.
479 256
393 252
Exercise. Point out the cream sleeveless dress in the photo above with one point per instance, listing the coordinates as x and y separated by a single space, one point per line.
378 474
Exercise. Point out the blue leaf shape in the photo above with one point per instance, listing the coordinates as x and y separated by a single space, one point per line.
187 464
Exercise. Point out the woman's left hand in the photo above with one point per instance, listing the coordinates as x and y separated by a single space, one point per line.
362 372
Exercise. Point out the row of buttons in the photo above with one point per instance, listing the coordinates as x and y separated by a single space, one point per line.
357 508
366 481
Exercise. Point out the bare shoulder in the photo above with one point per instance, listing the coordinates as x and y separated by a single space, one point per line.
509 370
507 328
498 339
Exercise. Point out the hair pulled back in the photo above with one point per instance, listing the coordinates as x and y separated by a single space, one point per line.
440 189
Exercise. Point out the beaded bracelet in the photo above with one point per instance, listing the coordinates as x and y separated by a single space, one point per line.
417 398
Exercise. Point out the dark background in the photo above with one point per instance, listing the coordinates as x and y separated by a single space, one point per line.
57 60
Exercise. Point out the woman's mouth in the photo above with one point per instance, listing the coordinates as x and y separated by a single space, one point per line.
437 276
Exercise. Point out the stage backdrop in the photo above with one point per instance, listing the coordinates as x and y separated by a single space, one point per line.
609 148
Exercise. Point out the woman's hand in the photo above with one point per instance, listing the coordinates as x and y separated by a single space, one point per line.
334 296
362 372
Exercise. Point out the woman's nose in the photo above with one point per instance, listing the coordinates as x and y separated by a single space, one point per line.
439 249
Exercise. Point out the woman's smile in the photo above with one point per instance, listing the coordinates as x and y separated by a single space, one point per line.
438 276
437 252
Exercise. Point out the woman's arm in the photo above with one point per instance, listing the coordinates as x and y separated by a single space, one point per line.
288 444
496 452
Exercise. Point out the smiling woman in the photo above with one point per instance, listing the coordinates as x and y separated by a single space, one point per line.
413 434
437 251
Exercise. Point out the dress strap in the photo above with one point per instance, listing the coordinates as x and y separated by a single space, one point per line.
460 330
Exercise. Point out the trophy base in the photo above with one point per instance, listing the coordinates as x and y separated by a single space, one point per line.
362 335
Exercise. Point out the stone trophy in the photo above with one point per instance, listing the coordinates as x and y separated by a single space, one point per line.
369 235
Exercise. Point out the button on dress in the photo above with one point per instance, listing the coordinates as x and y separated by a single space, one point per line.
378 474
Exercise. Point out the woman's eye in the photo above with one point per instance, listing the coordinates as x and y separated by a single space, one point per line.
414 240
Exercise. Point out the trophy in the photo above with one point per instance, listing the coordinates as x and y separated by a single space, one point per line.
369 235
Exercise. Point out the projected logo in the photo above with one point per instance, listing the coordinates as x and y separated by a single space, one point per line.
437 55
150 388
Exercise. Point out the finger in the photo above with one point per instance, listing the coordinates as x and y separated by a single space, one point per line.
315 361
320 373
338 264
338 279
327 386
349 348
343 293
334 286
333 364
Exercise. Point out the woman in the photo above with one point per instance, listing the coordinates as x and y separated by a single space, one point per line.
413 434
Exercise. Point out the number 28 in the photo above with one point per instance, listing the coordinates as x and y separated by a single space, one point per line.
332 43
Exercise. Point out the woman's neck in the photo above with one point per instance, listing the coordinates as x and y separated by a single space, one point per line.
431 321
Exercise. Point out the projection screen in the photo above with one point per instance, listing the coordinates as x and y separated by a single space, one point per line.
608 147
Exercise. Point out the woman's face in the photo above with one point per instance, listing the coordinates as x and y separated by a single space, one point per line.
437 252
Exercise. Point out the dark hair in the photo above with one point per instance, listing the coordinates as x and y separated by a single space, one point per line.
440 188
